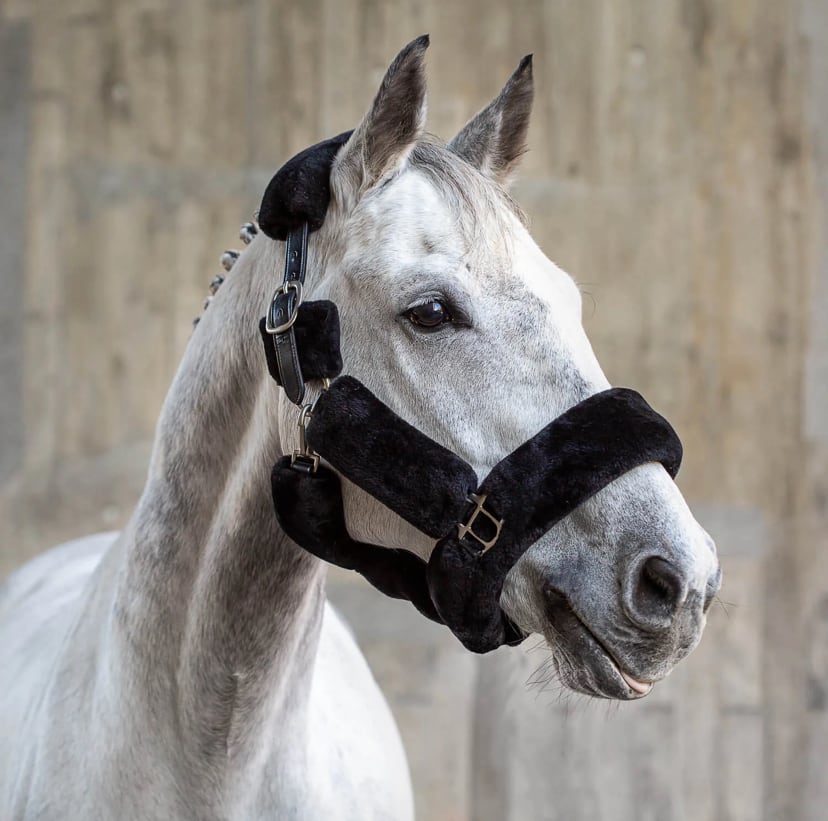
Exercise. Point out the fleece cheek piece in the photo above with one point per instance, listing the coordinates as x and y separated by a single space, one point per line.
420 480
526 494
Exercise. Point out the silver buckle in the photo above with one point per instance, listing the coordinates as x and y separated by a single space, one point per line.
293 285
307 458
467 529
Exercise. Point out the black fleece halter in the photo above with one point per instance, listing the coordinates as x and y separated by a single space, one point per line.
481 529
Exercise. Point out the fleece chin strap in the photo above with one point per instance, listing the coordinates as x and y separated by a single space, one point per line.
481 530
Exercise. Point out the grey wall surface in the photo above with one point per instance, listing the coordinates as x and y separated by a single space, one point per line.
678 169
15 55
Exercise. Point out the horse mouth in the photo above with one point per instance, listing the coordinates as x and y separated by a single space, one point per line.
583 661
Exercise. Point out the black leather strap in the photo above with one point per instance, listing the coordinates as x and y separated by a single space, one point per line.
290 372
283 312
296 254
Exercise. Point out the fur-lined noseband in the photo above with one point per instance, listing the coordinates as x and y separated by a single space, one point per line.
482 529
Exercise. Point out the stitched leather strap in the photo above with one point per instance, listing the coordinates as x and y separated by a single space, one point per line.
296 254
283 312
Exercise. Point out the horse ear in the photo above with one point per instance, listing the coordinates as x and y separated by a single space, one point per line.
495 138
383 140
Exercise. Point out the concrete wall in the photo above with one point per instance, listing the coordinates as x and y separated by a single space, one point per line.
678 169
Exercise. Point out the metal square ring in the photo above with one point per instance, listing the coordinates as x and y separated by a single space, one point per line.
467 529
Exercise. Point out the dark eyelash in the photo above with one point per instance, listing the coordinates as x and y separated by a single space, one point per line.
426 298
459 317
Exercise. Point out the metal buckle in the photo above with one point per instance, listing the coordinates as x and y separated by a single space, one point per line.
303 458
304 462
464 530
293 303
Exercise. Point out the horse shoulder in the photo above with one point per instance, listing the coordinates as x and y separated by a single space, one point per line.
353 765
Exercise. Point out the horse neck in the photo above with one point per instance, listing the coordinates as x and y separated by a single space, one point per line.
219 608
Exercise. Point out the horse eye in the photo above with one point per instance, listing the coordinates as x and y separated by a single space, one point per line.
430 314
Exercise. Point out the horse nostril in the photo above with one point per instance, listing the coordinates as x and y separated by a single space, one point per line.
656 591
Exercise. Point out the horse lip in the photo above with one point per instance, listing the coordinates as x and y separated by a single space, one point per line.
636 687
641 687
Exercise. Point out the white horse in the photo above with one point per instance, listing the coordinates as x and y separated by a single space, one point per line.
189 667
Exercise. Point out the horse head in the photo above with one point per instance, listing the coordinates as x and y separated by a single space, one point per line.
455 318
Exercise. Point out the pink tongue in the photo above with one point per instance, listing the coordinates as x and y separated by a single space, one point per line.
642 687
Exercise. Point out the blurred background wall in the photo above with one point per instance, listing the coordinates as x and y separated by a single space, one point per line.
677 169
